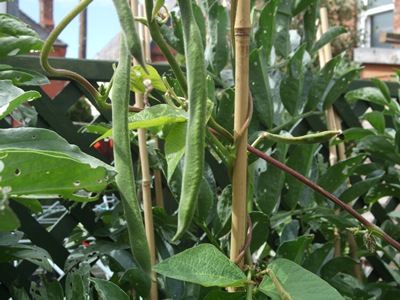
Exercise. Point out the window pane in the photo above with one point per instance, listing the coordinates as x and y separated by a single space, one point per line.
381 23
376 3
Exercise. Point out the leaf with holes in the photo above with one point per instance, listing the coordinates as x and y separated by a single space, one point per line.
20 76
47 140
16 37
204 265
30 173
34 254
11 97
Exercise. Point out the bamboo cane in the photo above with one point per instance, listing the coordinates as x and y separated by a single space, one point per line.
336 153
146 180
239 175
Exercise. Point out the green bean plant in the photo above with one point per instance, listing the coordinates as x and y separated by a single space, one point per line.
289 193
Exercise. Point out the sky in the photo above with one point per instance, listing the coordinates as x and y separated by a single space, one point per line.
102 22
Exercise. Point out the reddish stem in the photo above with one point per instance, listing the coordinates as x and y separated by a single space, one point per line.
368 225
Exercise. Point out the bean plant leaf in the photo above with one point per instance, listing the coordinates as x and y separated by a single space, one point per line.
48 141
269 180
292 82
265 31
299 5
379 147
383 88
359 188
373 95
205 201
217 48
295 249
310 16
16 37
332 33
300 160
297 282
108 290
204 265
155 116
138 280
338 173
175 147
139 75
224 212
34 254
260 87
382 190
48 290
376 119
34 173
20 76
321 81
11 97
8 219
340 85
282 25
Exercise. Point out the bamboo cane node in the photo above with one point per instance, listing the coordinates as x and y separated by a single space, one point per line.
146 183
245 31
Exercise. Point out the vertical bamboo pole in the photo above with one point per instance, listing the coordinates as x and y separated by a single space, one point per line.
146 181
239 176
82 33
335 153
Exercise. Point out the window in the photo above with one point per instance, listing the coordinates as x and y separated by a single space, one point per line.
377 18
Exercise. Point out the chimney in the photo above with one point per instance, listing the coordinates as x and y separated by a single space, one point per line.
46 14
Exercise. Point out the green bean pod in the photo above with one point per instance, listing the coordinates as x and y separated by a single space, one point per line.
123 162
195 139
313 138
127 23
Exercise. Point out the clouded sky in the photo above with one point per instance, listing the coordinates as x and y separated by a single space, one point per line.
102 23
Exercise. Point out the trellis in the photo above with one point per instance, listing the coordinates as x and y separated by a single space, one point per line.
52 115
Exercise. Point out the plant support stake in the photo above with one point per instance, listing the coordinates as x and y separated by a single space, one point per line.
239 174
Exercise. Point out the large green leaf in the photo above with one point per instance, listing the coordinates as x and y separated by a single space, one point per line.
332 33
309 19
260 87
282 26
16 37
155 116
379 147
300 160
376 119
321 81
291 86
383 88
340 85
382 190
373 95
48 290
203 264
338 173
34 173
205 201
108 290
295 249
321 253
34 254
223 212
269 180
138 280
48 141
359 188
297 282
217 48
20 76
139 75
11 97
265 31
175 147
8 219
